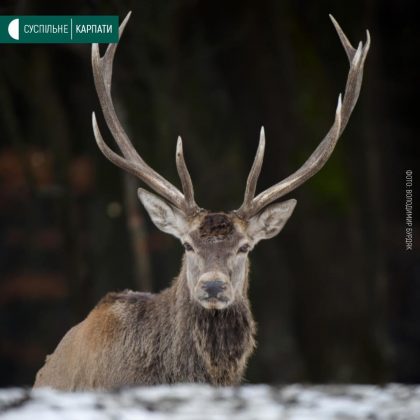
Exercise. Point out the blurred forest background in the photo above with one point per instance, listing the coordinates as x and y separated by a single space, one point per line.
335 295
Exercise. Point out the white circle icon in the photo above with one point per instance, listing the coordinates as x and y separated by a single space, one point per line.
14 29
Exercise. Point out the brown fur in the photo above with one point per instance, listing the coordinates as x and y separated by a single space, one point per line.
216 225
133 338
181 334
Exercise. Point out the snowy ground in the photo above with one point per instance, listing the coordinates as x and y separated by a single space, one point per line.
256 402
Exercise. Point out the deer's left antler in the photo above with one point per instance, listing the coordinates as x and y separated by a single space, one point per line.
252 205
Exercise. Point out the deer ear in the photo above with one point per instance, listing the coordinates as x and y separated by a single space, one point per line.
166 217
270 221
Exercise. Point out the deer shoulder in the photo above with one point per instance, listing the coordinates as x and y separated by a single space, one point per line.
90 355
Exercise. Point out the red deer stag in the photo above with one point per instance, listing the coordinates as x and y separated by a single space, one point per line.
200 329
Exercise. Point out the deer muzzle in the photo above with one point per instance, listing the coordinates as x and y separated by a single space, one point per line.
214 290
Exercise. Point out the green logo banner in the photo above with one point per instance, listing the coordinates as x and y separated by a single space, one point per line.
58 29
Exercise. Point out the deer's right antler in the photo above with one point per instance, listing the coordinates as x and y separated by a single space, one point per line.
131 161
252 205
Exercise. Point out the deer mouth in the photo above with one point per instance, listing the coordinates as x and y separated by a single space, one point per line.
219 302
216 299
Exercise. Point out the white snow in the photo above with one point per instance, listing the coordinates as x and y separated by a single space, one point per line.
202 402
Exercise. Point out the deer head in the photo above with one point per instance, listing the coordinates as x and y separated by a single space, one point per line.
217 244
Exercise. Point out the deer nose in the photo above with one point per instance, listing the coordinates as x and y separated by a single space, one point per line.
214 287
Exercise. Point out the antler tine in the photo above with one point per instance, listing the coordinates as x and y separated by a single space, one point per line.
350 51
356 59
102 74
136 168
254 173
132 161
321 154
184 176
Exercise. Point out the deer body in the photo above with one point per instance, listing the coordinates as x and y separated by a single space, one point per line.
133 338
200 329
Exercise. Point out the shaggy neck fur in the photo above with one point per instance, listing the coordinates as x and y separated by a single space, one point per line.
214 345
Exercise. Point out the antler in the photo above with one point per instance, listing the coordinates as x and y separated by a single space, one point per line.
131 161
316 161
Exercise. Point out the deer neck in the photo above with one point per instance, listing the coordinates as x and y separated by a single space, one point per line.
222 339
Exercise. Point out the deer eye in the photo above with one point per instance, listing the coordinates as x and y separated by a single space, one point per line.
244 248
188 247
